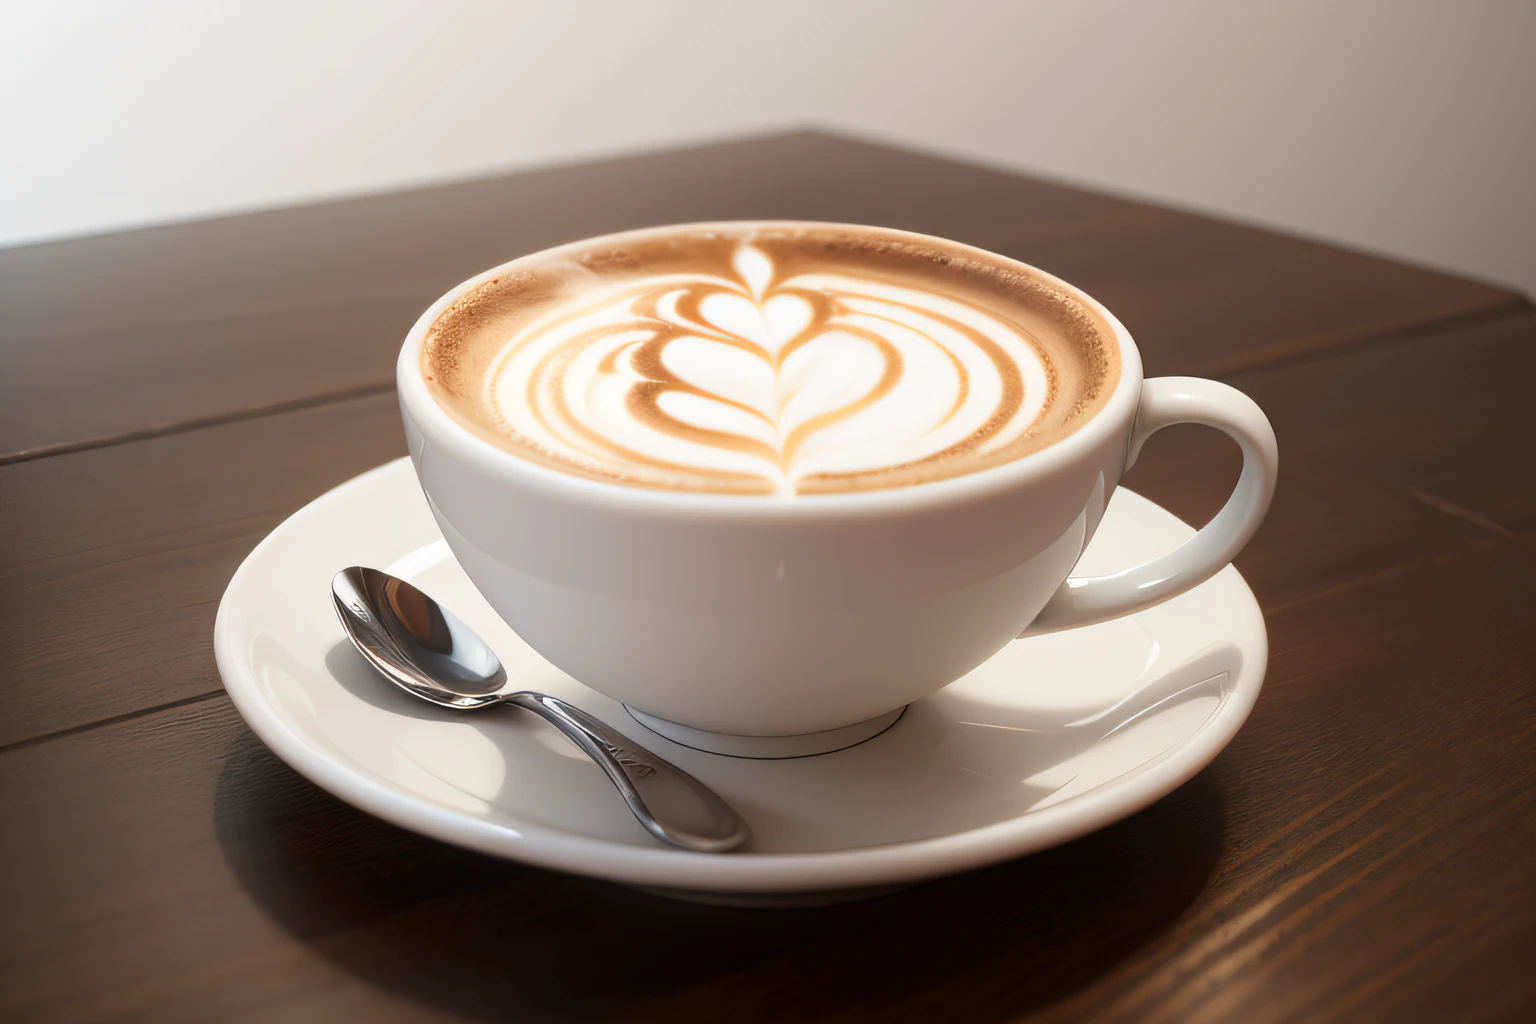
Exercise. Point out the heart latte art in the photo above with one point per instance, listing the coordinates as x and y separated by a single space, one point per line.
753 381
758 359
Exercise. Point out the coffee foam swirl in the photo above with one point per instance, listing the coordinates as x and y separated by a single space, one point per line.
746 370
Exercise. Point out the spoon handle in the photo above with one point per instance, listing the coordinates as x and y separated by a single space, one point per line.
672 805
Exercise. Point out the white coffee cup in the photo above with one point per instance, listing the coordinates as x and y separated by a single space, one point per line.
756 616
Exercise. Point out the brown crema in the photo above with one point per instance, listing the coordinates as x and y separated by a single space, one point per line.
607 313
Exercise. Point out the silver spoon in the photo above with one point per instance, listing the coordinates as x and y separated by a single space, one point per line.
424 649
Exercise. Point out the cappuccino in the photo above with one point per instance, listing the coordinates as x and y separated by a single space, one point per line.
769 358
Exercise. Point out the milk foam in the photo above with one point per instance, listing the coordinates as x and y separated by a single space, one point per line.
774 380
769 358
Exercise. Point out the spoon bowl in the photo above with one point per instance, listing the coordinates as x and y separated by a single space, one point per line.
420 645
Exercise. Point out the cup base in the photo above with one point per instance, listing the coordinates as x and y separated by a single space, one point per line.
768 748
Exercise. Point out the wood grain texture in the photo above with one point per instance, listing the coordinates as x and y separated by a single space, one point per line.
1360 852
144 330
115 559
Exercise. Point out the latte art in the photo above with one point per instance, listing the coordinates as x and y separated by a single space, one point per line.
752 367
754 382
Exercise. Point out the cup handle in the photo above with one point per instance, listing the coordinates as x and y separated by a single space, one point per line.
1165 401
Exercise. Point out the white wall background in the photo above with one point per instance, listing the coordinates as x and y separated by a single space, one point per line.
1394 125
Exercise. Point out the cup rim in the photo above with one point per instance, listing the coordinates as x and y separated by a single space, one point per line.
422 408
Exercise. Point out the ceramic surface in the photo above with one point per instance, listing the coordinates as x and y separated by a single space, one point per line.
1049 739
763 616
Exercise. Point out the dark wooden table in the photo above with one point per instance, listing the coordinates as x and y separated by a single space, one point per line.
1364 850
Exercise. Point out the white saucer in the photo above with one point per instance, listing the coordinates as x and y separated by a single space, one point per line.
1054 737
